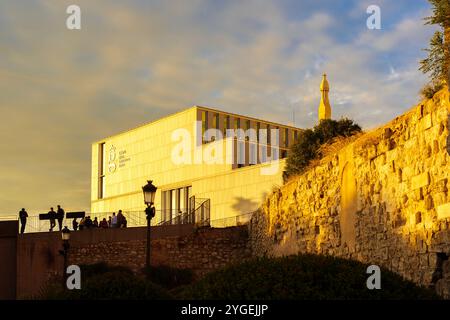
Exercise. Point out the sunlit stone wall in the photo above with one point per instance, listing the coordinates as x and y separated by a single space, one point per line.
382 199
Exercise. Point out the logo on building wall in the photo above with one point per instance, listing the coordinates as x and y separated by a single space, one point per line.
112 159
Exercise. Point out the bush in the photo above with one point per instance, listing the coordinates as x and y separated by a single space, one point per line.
100 281
309 141
429 90
301 277
169 277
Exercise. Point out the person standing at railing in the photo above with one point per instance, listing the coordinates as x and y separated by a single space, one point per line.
23 215
75 224
82 222
104 224
52 216
60 216
119 219
114 220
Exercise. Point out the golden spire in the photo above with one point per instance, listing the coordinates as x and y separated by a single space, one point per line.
324 106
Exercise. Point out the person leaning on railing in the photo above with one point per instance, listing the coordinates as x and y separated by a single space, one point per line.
75 224
23 215
103 224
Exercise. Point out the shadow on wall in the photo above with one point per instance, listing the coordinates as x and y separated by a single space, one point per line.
347 217
448 137
244 205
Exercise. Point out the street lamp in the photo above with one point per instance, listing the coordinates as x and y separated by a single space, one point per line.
149 191
65 235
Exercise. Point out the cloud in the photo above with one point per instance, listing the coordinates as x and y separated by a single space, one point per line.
137 61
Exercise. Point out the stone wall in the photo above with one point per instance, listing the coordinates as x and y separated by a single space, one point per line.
180 246
203 251
8 263
381 199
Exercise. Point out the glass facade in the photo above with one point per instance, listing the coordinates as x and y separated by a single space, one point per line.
251 147
204 125
226 125
102 170
175 203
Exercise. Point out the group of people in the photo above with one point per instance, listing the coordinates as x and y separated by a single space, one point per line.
54 216
114 221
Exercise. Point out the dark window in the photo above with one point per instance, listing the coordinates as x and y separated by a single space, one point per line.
101 170
226 125
204 126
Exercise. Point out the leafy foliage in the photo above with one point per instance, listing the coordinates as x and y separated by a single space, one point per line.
301 277
438 60
309 141
441 13
429 90
103 282
169 277
435 62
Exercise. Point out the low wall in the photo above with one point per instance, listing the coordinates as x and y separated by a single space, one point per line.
382 199
180 246
8 244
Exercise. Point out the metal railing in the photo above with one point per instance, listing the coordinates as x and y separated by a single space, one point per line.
134 219
200 217
238 220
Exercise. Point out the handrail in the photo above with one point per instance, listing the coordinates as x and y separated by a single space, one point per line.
200 217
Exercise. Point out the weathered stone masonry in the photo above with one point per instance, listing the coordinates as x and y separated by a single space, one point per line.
180 246
202 251
382 199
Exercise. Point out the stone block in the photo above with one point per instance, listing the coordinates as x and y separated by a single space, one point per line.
407 172
411 143
421 180
418 217
387 133
372 152
443 211
426 122
428 203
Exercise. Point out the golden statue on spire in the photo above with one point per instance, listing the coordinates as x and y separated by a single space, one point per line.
324 106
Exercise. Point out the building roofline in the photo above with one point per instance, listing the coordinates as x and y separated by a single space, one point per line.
145 124
190 109
247 117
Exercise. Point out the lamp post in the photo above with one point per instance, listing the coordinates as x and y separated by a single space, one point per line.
149 191
65 235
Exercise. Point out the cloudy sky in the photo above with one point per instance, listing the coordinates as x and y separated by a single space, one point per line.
136 61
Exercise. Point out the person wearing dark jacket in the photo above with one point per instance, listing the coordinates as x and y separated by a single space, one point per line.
104 224
88 222
75 224
52 216
23 215
60 216
95 223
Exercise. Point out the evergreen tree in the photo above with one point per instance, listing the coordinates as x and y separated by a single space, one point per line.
309 141
438 61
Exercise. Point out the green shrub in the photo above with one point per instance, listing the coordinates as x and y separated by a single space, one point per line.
430 89
301 277
100 281
169 277
309 141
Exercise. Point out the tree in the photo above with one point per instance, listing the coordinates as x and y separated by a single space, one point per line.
309 141
438 61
